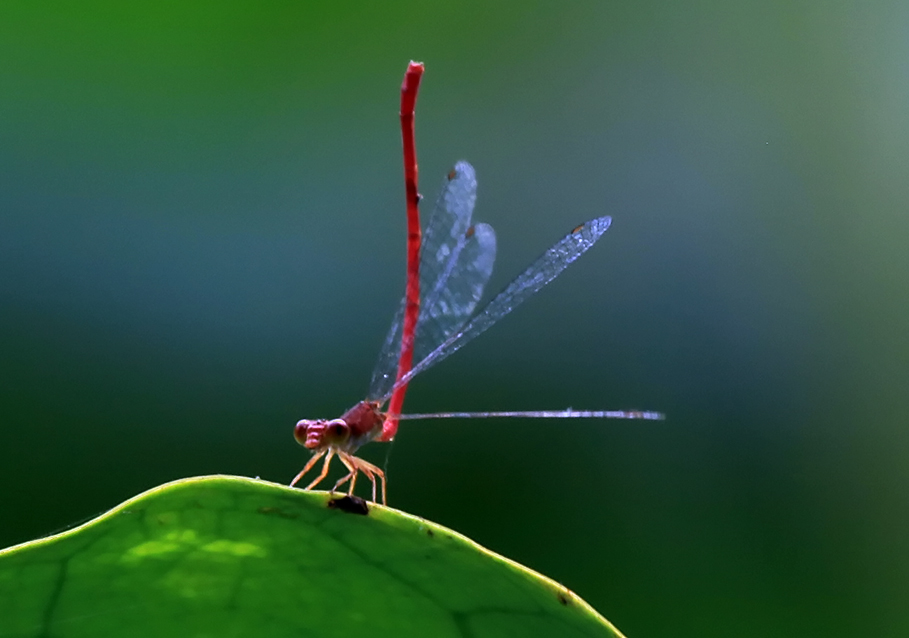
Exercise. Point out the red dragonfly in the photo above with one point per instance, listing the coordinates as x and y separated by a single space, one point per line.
450 267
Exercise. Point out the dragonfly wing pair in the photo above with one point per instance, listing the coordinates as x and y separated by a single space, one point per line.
455 264
456 261
544 269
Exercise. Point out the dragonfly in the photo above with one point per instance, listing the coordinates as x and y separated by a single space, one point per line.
448 267
456 262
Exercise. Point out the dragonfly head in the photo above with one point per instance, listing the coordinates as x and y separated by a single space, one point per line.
321 433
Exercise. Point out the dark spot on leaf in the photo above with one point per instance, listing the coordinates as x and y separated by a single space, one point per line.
563 599
430 533
276 511
349 504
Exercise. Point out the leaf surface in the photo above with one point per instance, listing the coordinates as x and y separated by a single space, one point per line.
225 556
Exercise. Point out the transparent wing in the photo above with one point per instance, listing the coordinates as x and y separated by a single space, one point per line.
547 267
456 261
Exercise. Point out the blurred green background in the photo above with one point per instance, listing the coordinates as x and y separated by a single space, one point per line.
202 241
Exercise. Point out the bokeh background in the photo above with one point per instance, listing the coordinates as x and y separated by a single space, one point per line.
202 241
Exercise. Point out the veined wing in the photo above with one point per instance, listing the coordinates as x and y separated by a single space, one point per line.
456 260
547 267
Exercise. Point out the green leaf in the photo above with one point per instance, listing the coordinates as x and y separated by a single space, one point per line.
225 556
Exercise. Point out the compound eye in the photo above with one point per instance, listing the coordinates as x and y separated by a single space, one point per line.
338 430
300 431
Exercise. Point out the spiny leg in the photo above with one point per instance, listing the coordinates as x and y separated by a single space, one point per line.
367 469
384 493
370 470
324 472
354 465
306 468
351 476
372 478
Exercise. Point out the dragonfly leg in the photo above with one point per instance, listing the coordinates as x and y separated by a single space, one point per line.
371 471
371 476
324 471
306 468
351 476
